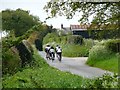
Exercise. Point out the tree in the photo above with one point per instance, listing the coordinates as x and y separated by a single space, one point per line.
104 13
18 21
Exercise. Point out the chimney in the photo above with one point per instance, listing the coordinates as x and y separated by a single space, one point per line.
61 26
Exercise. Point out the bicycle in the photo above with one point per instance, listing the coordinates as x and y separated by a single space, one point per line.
47 56
59 56
52 56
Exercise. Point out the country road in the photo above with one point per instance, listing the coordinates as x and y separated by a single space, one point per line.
75 66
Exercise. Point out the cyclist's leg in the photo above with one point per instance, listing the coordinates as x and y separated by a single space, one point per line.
57 55
47 55
53 55
60 56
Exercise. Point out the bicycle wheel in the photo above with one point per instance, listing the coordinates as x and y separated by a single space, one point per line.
59 58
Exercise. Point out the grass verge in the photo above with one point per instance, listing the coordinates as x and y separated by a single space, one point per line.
110 64
41 75
103 58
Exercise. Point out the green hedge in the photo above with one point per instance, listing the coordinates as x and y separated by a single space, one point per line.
102 57
98 52
50 37
38 44
75 39
113 45
71 39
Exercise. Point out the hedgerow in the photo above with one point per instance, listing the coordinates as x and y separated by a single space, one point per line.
102 56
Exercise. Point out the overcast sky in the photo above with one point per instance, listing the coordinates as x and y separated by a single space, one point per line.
36 8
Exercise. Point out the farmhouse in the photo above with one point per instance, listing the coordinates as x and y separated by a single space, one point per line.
66 30
80 30
77 30
84 31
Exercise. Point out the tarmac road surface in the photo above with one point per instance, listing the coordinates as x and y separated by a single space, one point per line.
75 66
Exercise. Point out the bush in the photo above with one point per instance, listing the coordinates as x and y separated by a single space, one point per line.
98 51
106 81
89 42
101 57
50 37
38 44
71 39
113 45
64 39
11 61
32 37
75 39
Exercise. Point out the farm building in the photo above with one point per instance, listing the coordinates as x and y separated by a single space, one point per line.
76 30
85 33
80 30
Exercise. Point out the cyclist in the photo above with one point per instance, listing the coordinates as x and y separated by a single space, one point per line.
52 53
47 48
56 48
59 53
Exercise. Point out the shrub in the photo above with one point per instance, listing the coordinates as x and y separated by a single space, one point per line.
113 45
75 39
11 61
38 44
89 42
105 81
100 56
50 37
33 37
98 52
63 39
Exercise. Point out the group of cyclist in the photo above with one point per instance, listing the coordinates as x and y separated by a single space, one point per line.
50 52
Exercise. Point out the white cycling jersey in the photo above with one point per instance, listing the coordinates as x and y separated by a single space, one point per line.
52 50
48 48
59 50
